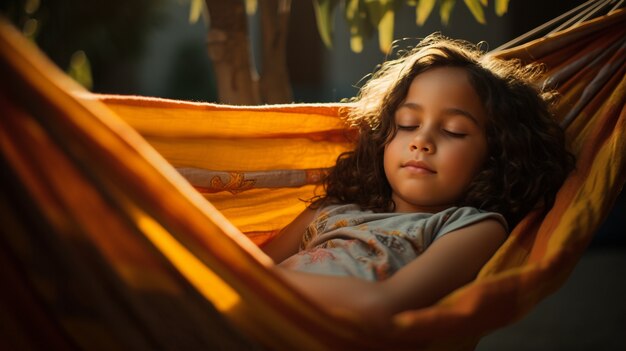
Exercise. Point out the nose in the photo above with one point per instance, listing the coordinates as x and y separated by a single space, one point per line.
422 142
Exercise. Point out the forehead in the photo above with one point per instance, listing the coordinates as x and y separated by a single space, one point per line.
451 80
446 88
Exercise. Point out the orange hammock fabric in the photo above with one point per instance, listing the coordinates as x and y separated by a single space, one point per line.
108 240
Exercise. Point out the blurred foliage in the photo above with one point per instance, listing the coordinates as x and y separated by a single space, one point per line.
196 9
365 17
80 69
86 34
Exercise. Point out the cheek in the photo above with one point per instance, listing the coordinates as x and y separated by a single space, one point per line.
467 160
387 157
392 150
390 158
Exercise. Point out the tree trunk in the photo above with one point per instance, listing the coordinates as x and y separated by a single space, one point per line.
229 50
275 87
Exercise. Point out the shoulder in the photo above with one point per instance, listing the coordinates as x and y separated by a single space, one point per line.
456 218
336 212
336 209
485 236
287 242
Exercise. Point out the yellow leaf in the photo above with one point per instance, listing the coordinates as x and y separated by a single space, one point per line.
376 9
195 10
502 7
324 15
381 14
356 43
423 10
445 9
477 10
356 18
356 27
385 30
352 10
251 6
80 69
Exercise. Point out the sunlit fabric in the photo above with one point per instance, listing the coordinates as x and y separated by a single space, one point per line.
108 240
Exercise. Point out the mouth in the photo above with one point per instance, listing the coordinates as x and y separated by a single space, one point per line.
418 167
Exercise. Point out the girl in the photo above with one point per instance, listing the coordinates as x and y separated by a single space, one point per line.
454 149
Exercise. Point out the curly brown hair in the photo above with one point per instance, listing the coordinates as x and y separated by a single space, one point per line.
527 160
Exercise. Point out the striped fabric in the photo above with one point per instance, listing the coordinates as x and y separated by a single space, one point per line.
107 239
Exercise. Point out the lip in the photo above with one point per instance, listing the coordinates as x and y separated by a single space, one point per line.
418 167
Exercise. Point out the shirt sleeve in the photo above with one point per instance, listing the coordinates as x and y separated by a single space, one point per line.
465 216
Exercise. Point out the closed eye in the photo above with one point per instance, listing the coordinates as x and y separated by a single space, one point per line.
454 134
407 128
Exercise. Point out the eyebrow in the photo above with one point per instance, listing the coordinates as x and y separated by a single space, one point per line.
448 111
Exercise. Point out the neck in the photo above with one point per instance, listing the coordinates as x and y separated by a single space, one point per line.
409 208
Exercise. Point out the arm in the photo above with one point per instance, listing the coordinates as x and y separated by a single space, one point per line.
450 262
287 242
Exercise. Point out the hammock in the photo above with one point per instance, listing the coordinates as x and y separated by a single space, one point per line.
108 240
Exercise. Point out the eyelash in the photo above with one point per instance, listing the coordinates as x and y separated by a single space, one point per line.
447 132
455 135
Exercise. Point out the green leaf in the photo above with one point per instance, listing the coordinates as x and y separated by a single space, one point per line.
80 69
423 10
356 43
445 9
251 6
195 10
385 29
382 15
502 6
356 18
324 15
477 10
375 10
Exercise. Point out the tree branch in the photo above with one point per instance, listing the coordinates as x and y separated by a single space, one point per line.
274 84
229 50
